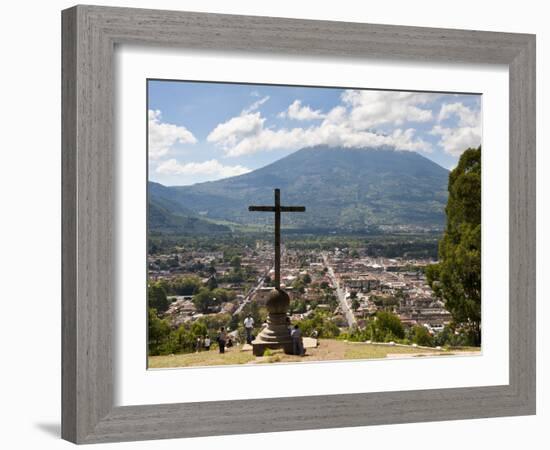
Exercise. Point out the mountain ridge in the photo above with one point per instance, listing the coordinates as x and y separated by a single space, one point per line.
342 189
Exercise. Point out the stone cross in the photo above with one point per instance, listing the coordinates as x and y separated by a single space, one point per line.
277 209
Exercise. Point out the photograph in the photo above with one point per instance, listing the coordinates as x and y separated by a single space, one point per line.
292 224
266 225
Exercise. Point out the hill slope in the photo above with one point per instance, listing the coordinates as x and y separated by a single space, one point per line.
342 189
165 215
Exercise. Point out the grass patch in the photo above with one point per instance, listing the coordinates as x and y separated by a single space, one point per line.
463 349
373 351
328 350
209 358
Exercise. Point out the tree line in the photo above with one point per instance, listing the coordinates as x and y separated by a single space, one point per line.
456 278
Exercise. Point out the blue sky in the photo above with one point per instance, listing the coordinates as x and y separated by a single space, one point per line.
208 131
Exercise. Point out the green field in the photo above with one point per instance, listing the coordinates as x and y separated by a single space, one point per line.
328 350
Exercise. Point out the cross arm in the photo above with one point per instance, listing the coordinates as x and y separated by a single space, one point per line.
273 209
293 208
262 208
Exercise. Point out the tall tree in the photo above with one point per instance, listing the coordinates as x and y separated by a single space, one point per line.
157 297
158 332
456 279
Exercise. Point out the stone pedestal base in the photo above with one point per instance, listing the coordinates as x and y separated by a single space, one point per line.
276 335
258 349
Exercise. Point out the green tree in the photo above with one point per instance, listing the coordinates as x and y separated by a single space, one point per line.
212 283
199 328
223 295
390 302
298 285
297 307
321 323
158 332
385 327
212 268
182 340
234 276
213 322
156 297
186 285
390 323
451 337
456 278
203 300
258 314
421 336
236 262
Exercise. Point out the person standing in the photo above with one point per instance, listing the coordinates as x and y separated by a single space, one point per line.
248 327
198 344
289 325
222 338
207 342
297 345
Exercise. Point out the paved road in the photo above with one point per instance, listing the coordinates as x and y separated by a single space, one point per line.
261 282
251 293
348 313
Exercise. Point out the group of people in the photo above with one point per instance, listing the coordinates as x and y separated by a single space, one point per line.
224 340
295 334
203 343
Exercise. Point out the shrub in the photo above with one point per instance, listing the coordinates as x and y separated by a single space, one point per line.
322 323
421 336
389 324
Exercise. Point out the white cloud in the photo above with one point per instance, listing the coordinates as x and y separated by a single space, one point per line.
375 108
254 106
455 140
467 133
298 112
467 117
162 136
212 168
347 125
326 134
227 134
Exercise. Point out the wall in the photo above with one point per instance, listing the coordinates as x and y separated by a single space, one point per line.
30 225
